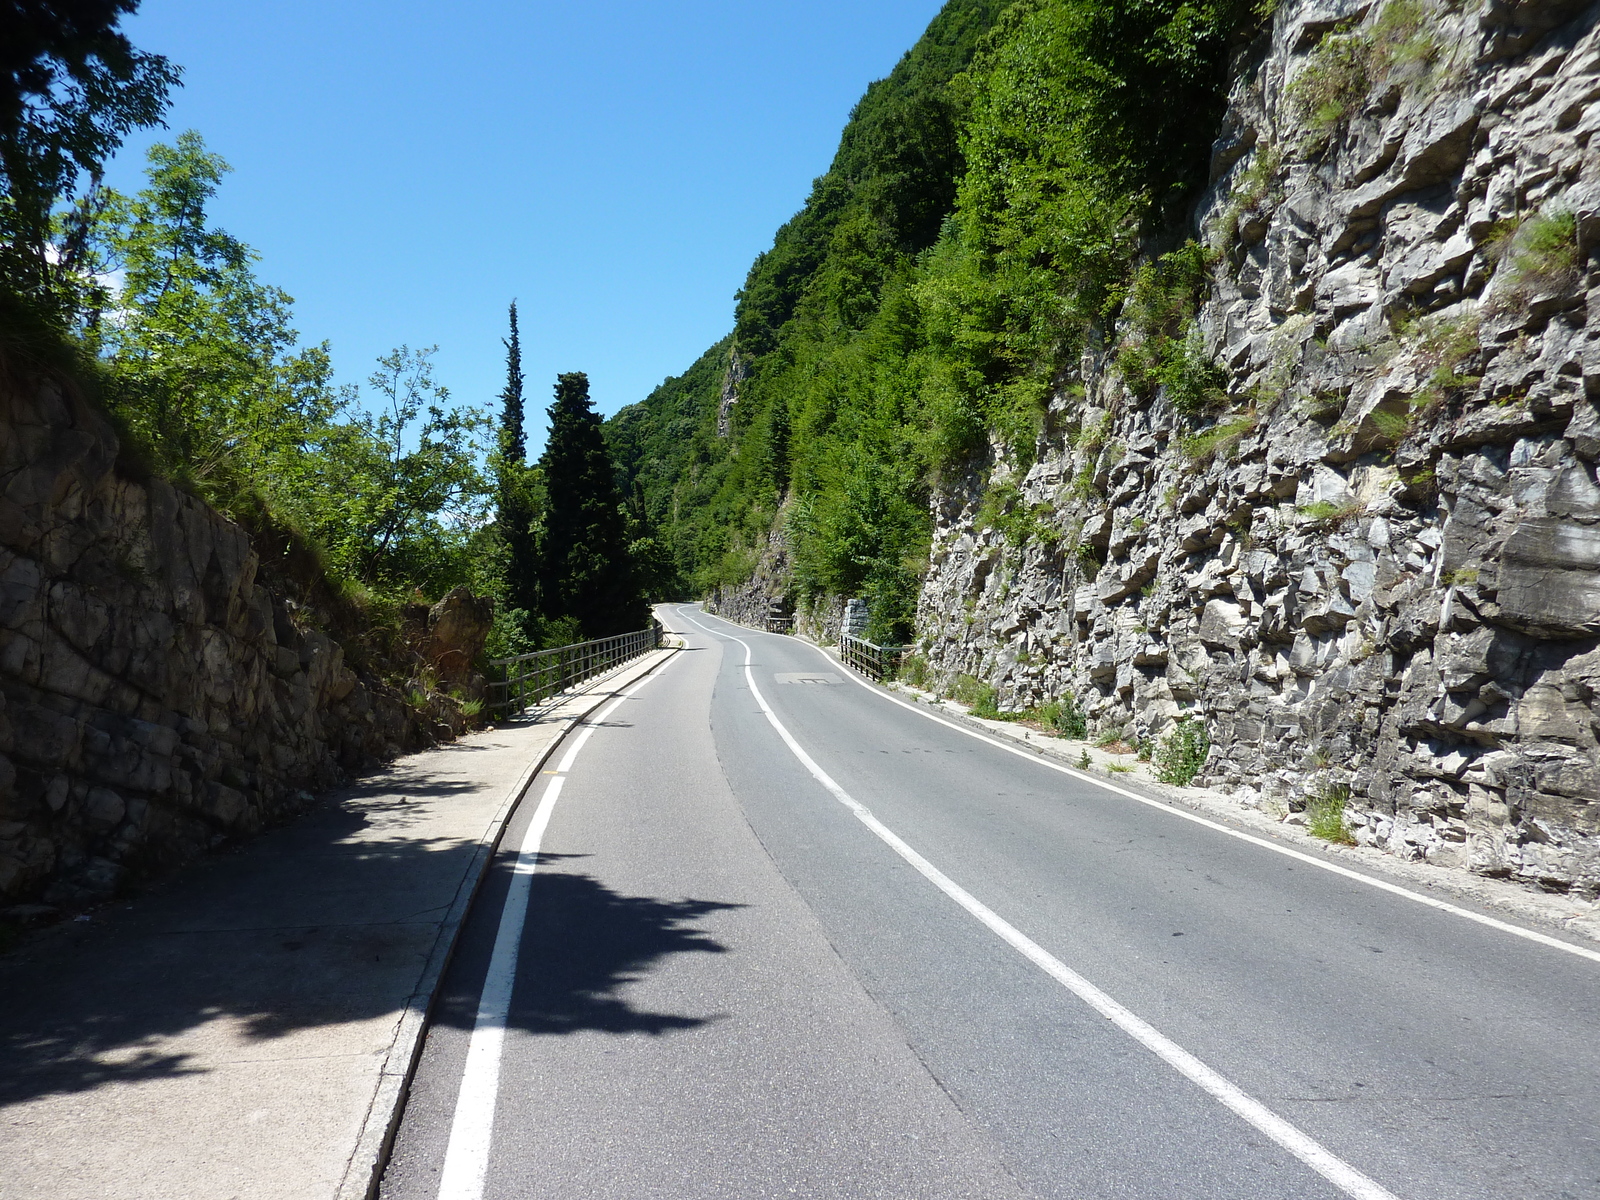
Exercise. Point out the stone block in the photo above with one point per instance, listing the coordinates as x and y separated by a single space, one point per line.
1222 624
1550 577
103 809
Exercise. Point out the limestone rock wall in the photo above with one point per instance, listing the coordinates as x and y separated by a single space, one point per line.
1378 568
156 696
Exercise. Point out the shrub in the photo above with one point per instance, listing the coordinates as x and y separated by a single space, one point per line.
1333 84
1182 753
1252 191
1161 345
1068 719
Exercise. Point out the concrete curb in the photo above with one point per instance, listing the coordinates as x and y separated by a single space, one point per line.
364 1171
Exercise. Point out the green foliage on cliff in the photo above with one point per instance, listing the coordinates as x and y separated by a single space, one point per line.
976 229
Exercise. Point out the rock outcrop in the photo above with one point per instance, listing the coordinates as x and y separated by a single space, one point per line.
157 696
1374 564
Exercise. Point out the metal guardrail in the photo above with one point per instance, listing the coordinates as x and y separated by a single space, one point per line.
872 660
531 679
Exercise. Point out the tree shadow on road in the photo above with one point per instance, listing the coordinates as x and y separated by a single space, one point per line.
584 944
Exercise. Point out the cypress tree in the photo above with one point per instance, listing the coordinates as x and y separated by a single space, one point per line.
587 571
514 503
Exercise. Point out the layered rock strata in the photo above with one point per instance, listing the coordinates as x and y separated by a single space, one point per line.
1375 565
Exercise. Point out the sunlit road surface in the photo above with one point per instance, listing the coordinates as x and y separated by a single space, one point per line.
775 935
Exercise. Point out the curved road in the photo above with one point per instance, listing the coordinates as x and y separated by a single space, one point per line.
789 938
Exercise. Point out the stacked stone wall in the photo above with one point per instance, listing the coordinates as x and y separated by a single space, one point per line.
157 697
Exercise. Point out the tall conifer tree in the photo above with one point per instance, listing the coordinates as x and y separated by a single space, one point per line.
515 508
587 572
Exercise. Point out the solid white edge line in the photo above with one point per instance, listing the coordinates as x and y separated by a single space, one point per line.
466 1157
1396 889
1298 1143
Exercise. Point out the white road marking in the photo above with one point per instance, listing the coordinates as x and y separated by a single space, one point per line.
1384 885
1309 1151
466 1157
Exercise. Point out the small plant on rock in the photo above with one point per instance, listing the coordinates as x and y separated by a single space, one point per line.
1326 817
979 697
1220 439
1332 513
1544 256
1063 717
914 671
1182 753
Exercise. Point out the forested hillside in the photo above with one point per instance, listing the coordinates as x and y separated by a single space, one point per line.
1244 407
976 229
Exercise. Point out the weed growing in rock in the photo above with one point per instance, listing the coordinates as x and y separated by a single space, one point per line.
914 671
1391 426
1220 439
1325 407
1332 86
1544 255
1325 814
1089 562
1084 762
1182 753
1068 718
1331 513
1446 346
978 696
1346 66
1253 191
1002 509
1092 434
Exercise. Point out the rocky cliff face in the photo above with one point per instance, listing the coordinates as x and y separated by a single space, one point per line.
157 697
1375 564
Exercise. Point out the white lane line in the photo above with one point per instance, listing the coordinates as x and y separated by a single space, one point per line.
466 1157
1309 1151
1383 885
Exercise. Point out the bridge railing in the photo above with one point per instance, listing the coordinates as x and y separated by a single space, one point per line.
869 658
531 679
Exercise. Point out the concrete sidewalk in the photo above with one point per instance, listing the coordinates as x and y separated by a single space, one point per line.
248 1031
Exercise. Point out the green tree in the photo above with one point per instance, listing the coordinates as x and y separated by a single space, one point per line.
71 88
396 492
202 360
516 502
586 571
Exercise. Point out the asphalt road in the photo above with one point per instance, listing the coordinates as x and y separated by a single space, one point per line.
731 984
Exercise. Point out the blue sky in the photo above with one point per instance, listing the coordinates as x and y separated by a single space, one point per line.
405 169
